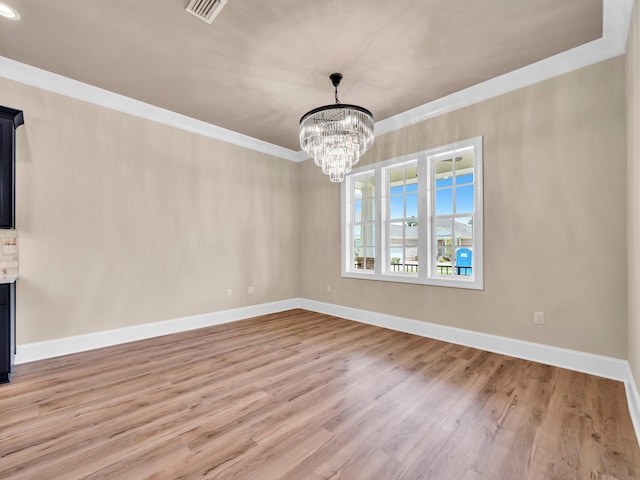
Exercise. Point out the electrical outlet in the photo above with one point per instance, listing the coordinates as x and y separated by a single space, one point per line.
329 290
250 290
229 293
538 318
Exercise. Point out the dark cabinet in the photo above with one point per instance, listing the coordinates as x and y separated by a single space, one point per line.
10 119
7 330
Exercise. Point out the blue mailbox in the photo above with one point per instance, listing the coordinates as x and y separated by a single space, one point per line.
464 257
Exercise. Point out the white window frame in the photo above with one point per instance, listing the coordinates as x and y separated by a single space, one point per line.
427 272
385 214
348 213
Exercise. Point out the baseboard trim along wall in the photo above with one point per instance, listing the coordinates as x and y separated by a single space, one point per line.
560 357
599 365
64 346
633 400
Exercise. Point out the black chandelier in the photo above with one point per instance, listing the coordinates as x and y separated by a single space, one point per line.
337 135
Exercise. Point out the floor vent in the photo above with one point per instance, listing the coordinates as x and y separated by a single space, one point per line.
206 10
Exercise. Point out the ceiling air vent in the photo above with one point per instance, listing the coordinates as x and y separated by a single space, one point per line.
206 10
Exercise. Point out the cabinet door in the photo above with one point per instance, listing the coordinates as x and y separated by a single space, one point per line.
7 148
7 333
10 119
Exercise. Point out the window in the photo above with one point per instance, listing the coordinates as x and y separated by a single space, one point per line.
416 219
363 226
401 219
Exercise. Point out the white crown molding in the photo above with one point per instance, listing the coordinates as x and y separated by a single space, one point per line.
615 28
616 18
36 77
616 21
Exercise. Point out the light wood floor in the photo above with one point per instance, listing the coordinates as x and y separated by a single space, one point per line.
305 396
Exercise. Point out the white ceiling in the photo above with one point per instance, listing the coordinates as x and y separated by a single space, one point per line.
262 64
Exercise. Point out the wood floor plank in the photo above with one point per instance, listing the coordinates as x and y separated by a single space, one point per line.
306 396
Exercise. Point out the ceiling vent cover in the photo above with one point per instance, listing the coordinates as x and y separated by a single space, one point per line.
206 10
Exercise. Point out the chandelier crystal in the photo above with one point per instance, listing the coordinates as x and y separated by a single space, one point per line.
336 136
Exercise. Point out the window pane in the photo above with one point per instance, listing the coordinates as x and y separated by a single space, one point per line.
444 167
444 201
364 187
370 255
465 178
411 236
357 236
411 233
358 258
396 177
368 212
463 231
444 172
396 259
444 246
411 175
369 186
396 207
443 182
412 205
464 199
411 257
357 211
357 189
369 235
396 230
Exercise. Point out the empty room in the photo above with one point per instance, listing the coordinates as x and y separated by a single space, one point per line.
307 240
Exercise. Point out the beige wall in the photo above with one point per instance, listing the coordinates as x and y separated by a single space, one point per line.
554 216
633 189
124 221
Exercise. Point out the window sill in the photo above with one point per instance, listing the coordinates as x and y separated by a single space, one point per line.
466 283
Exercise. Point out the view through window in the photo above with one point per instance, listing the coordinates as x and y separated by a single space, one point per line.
417 219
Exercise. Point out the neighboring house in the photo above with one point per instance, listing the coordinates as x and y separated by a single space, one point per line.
444 234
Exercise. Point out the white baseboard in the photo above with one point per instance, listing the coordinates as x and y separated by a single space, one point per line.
560 357
80 343
633 400
598 365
